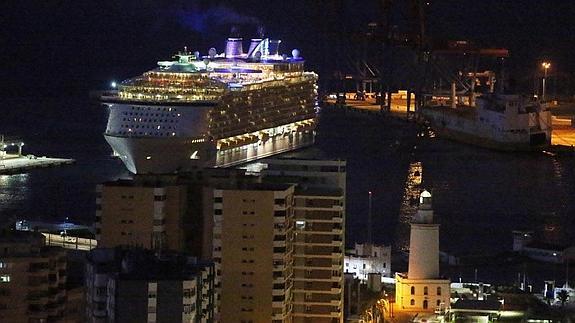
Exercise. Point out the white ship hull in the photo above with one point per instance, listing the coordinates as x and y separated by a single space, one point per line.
168 139
491 141
505 129
168 155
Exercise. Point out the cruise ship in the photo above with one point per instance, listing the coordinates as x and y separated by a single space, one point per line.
214 110
497 121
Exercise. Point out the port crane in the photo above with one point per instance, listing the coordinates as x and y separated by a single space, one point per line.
407 58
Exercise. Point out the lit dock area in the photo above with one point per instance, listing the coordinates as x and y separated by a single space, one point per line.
13 164
563 132
368 104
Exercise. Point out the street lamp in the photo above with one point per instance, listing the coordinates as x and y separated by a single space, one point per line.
546 66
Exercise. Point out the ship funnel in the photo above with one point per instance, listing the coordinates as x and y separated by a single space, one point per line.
274 47
254 42
234 47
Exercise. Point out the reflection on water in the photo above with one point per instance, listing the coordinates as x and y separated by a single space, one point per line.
409 205
14 193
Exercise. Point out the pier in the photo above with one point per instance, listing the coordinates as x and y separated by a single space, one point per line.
14 164
66 235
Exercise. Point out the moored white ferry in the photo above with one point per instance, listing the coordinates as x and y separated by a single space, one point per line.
213 110
496 121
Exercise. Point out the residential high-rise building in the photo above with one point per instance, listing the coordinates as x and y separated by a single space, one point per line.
318 255
137 286
319 216
277 238
141 213
160 212
423 289
253 250
32 278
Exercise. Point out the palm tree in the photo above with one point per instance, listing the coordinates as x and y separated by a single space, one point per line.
563 296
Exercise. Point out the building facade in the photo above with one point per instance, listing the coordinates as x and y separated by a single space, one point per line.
137 286
276 238
318 255
367 259
253 251
140 214
422 289
319 239
160 212
32 279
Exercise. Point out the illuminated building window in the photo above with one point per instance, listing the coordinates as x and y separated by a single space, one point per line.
3 264
438 291
438 302
4 278
425 304
300 225
412 290
425 290
412 302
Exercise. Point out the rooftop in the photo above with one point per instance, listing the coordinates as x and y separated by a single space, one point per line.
247 186
318 191
140 264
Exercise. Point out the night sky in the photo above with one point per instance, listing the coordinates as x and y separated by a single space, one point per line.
72 46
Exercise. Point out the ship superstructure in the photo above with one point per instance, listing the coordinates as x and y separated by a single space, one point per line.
213 110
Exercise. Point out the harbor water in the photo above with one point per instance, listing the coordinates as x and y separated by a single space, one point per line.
479 196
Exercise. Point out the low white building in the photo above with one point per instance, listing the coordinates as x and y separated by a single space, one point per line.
367 259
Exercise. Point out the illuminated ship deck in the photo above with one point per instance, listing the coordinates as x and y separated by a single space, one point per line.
209 110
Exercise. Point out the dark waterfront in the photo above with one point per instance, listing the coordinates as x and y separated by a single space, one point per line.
480 196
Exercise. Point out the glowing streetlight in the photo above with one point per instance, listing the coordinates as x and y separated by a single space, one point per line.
546 66
113 84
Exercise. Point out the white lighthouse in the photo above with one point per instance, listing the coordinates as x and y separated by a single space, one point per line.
422 289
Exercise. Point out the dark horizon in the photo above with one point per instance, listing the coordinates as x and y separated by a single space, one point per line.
77 46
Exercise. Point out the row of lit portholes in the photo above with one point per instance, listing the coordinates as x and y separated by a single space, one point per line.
163 115
140 133
152 109
146 127
149 120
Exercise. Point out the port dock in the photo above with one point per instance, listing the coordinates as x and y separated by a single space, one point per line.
14 164
562 138
369 105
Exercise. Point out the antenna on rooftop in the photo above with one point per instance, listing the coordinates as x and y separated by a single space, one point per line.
369 229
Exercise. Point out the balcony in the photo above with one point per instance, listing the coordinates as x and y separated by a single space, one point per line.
278 292
334 208
311 266
279 280
279 243
317 291
306 243
319 302
313 279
